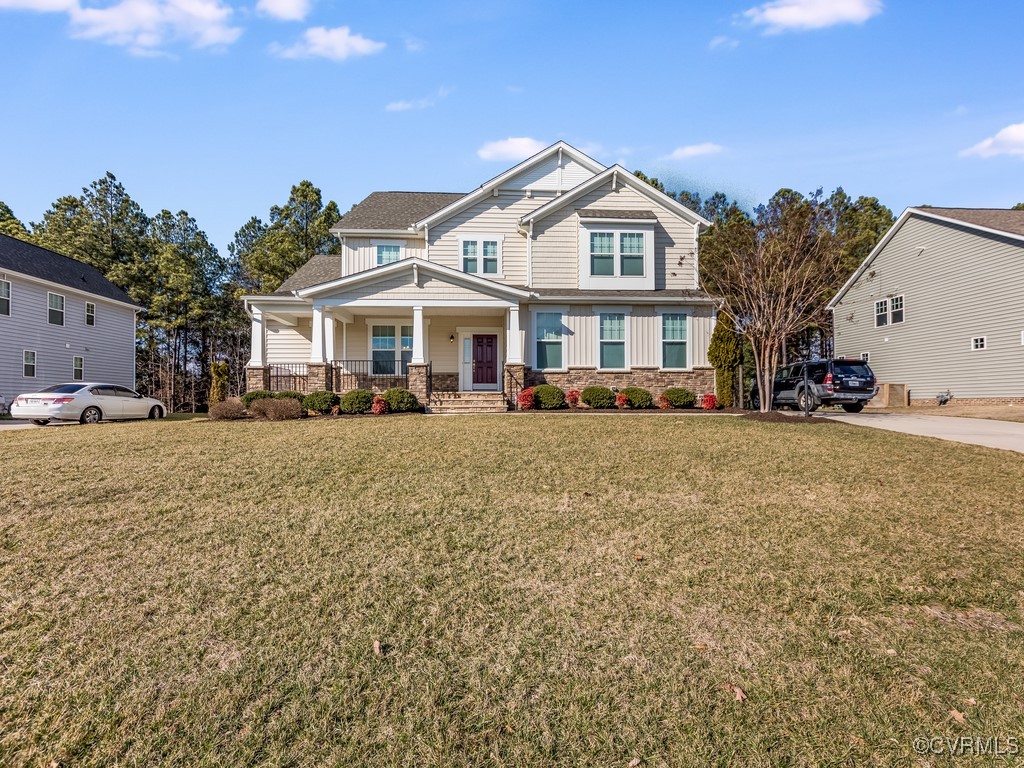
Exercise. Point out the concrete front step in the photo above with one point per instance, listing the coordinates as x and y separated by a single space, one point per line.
466 402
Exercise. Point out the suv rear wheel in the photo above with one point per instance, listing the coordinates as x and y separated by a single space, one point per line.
853 407
806 401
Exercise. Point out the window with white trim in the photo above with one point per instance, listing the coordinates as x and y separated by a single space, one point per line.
5 297
881 313
889 311
28 364
617 254
55 309
979 342
612 340
549 340
388 253
77 368
673 340
895 310
865 356
482 256
90 313
390 349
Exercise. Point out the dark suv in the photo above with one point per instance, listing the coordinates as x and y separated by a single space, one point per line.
843 382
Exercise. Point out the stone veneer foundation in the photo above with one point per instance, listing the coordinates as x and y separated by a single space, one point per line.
698 380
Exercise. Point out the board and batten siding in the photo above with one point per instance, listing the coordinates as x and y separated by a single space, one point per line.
556 241
957 283
107 348
643 327
361 252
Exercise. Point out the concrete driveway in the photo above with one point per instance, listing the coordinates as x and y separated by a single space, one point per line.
10 424
1007 435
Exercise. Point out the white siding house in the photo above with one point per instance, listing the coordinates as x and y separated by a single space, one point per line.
60 321
938 305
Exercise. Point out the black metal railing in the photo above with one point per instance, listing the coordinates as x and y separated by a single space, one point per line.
289 377
376 375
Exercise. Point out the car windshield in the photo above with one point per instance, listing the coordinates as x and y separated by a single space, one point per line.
852 369
64 389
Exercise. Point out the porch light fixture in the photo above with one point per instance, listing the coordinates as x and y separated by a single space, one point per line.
451 339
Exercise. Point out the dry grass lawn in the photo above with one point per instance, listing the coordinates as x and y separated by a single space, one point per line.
542 591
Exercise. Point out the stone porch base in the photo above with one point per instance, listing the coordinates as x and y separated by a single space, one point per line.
698 380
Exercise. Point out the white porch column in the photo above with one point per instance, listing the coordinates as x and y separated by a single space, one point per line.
316 349
514 344
258 355
418 353
329 343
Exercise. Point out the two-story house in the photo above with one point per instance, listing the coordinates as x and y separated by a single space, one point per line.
559 270
61 320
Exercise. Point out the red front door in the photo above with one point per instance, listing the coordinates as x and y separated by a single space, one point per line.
485 358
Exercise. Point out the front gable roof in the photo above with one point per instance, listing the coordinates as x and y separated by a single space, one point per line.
619 175
992 221
488 187
43 264
413 267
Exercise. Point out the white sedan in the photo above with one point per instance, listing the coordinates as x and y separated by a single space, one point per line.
86 403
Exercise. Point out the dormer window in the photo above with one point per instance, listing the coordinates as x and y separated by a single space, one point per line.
481 255
616 255
388 252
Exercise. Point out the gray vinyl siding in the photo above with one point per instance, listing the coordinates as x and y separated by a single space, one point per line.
289 343
108 348
556 241
963 284
361 252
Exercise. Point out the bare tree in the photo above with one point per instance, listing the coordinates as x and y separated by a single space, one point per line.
773 273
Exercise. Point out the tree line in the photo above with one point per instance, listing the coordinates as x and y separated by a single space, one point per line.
192 319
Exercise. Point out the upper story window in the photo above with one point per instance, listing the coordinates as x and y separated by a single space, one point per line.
614 255
5 297
889 311
481 255
55 309
388 253
90 313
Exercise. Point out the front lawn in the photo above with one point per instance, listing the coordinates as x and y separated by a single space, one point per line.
432 591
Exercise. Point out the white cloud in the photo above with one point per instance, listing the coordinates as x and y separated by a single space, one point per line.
510 149
695 150
788 15
286 10
143 26
723 42
336 44
1009 141
425 103
413 44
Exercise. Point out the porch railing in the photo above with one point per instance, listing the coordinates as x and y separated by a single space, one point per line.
289 377
368 374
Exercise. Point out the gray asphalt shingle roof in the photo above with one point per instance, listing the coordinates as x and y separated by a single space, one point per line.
606 213
32 260
1001 219
321 268
395 210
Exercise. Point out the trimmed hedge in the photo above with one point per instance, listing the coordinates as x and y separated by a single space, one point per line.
679 397
357 401
257 394
638 397
226 410
272 409
548 397
598 397
291 393
321 401
401 400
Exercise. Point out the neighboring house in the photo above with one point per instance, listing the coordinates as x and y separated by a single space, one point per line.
60 321
560 270
938 305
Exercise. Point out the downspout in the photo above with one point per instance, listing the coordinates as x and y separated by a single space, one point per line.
696 257
529 256
344 258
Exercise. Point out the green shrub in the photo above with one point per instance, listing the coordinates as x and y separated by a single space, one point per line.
227 410
401 400
725 353
638 397
547 397
357 401
598 397
290 394
219 382
679 397
257 394
272 409
321 401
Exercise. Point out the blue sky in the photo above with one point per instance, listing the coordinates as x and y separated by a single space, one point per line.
219 106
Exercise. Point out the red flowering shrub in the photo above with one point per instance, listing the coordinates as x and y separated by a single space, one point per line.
709 402
380 406
622 400
526 399
663 402
572 397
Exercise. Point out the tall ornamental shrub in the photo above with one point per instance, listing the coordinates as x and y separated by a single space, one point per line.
725 353
219 382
